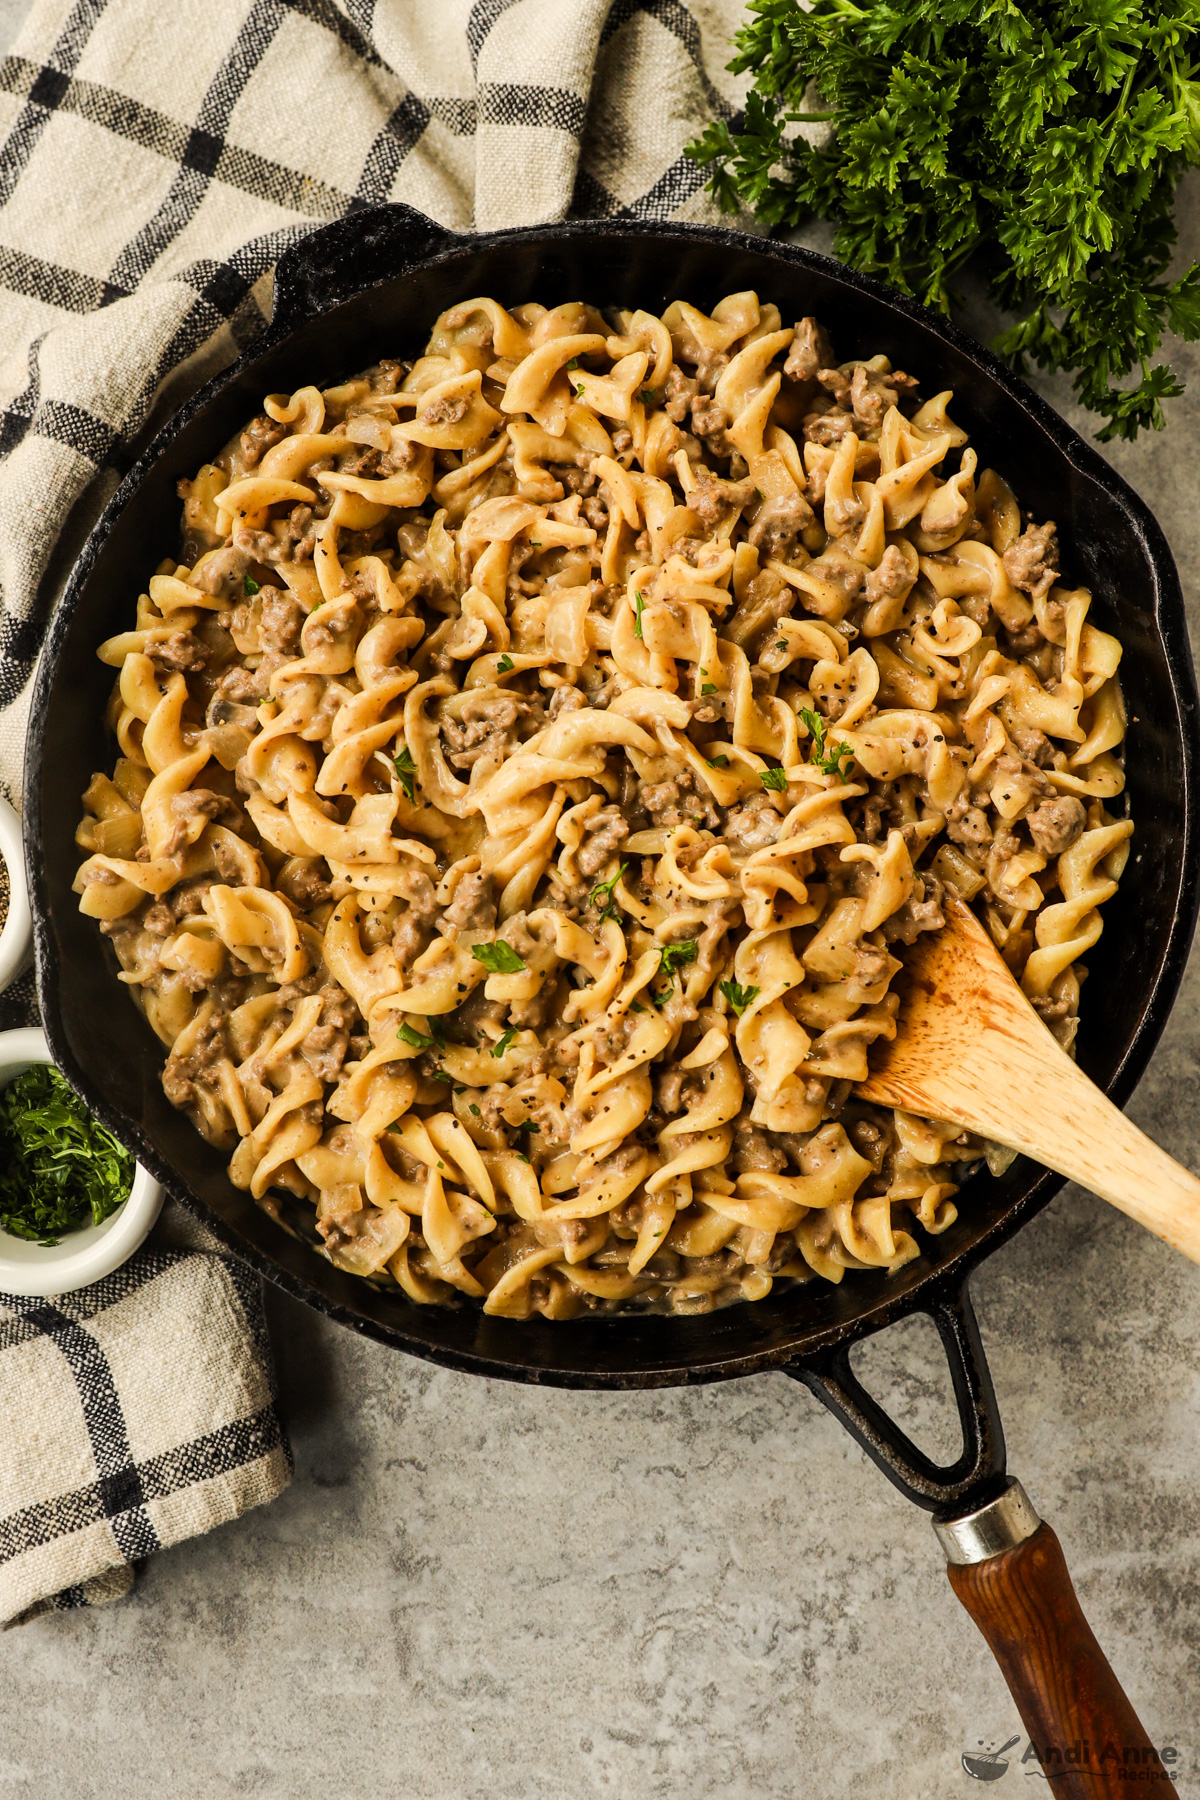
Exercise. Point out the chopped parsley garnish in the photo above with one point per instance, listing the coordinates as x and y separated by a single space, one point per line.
781 643
417 1040
500 1047
671 958
498 958
250 587
739 998
647 396
505 664
406 772
611 906
639 607
59 1168
473 1109
707 688
828 761
775 779
837 752
717 762
526 1125
573 364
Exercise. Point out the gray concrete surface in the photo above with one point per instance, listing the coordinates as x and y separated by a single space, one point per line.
12 17
473 1589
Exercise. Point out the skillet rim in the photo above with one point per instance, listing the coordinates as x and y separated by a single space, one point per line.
320 258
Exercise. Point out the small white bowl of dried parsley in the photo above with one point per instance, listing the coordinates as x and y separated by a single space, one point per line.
74 1205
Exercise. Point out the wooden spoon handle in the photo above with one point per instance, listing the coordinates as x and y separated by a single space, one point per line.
1092 1142
969 1047
1079 1720
1017 1087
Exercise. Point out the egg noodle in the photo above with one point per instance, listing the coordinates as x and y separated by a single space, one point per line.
532 771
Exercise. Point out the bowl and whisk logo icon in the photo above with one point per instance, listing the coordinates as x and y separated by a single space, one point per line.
986 1763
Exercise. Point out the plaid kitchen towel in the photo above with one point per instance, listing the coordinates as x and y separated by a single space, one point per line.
157 156
136 1412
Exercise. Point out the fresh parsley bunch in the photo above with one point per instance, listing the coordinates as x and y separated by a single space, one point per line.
1044 140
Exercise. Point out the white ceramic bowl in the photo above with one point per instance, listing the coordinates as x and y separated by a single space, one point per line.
16 938
80 1256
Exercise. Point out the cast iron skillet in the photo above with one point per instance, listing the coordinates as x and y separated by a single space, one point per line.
371 285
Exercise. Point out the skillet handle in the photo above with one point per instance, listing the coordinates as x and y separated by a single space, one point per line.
1081 1725
977 1474
1006 1566
353 253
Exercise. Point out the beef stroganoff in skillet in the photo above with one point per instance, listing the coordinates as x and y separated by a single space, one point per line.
532 771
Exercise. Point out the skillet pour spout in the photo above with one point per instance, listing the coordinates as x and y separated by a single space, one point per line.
369 286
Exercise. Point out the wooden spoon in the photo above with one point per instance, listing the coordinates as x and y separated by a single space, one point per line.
970 1049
